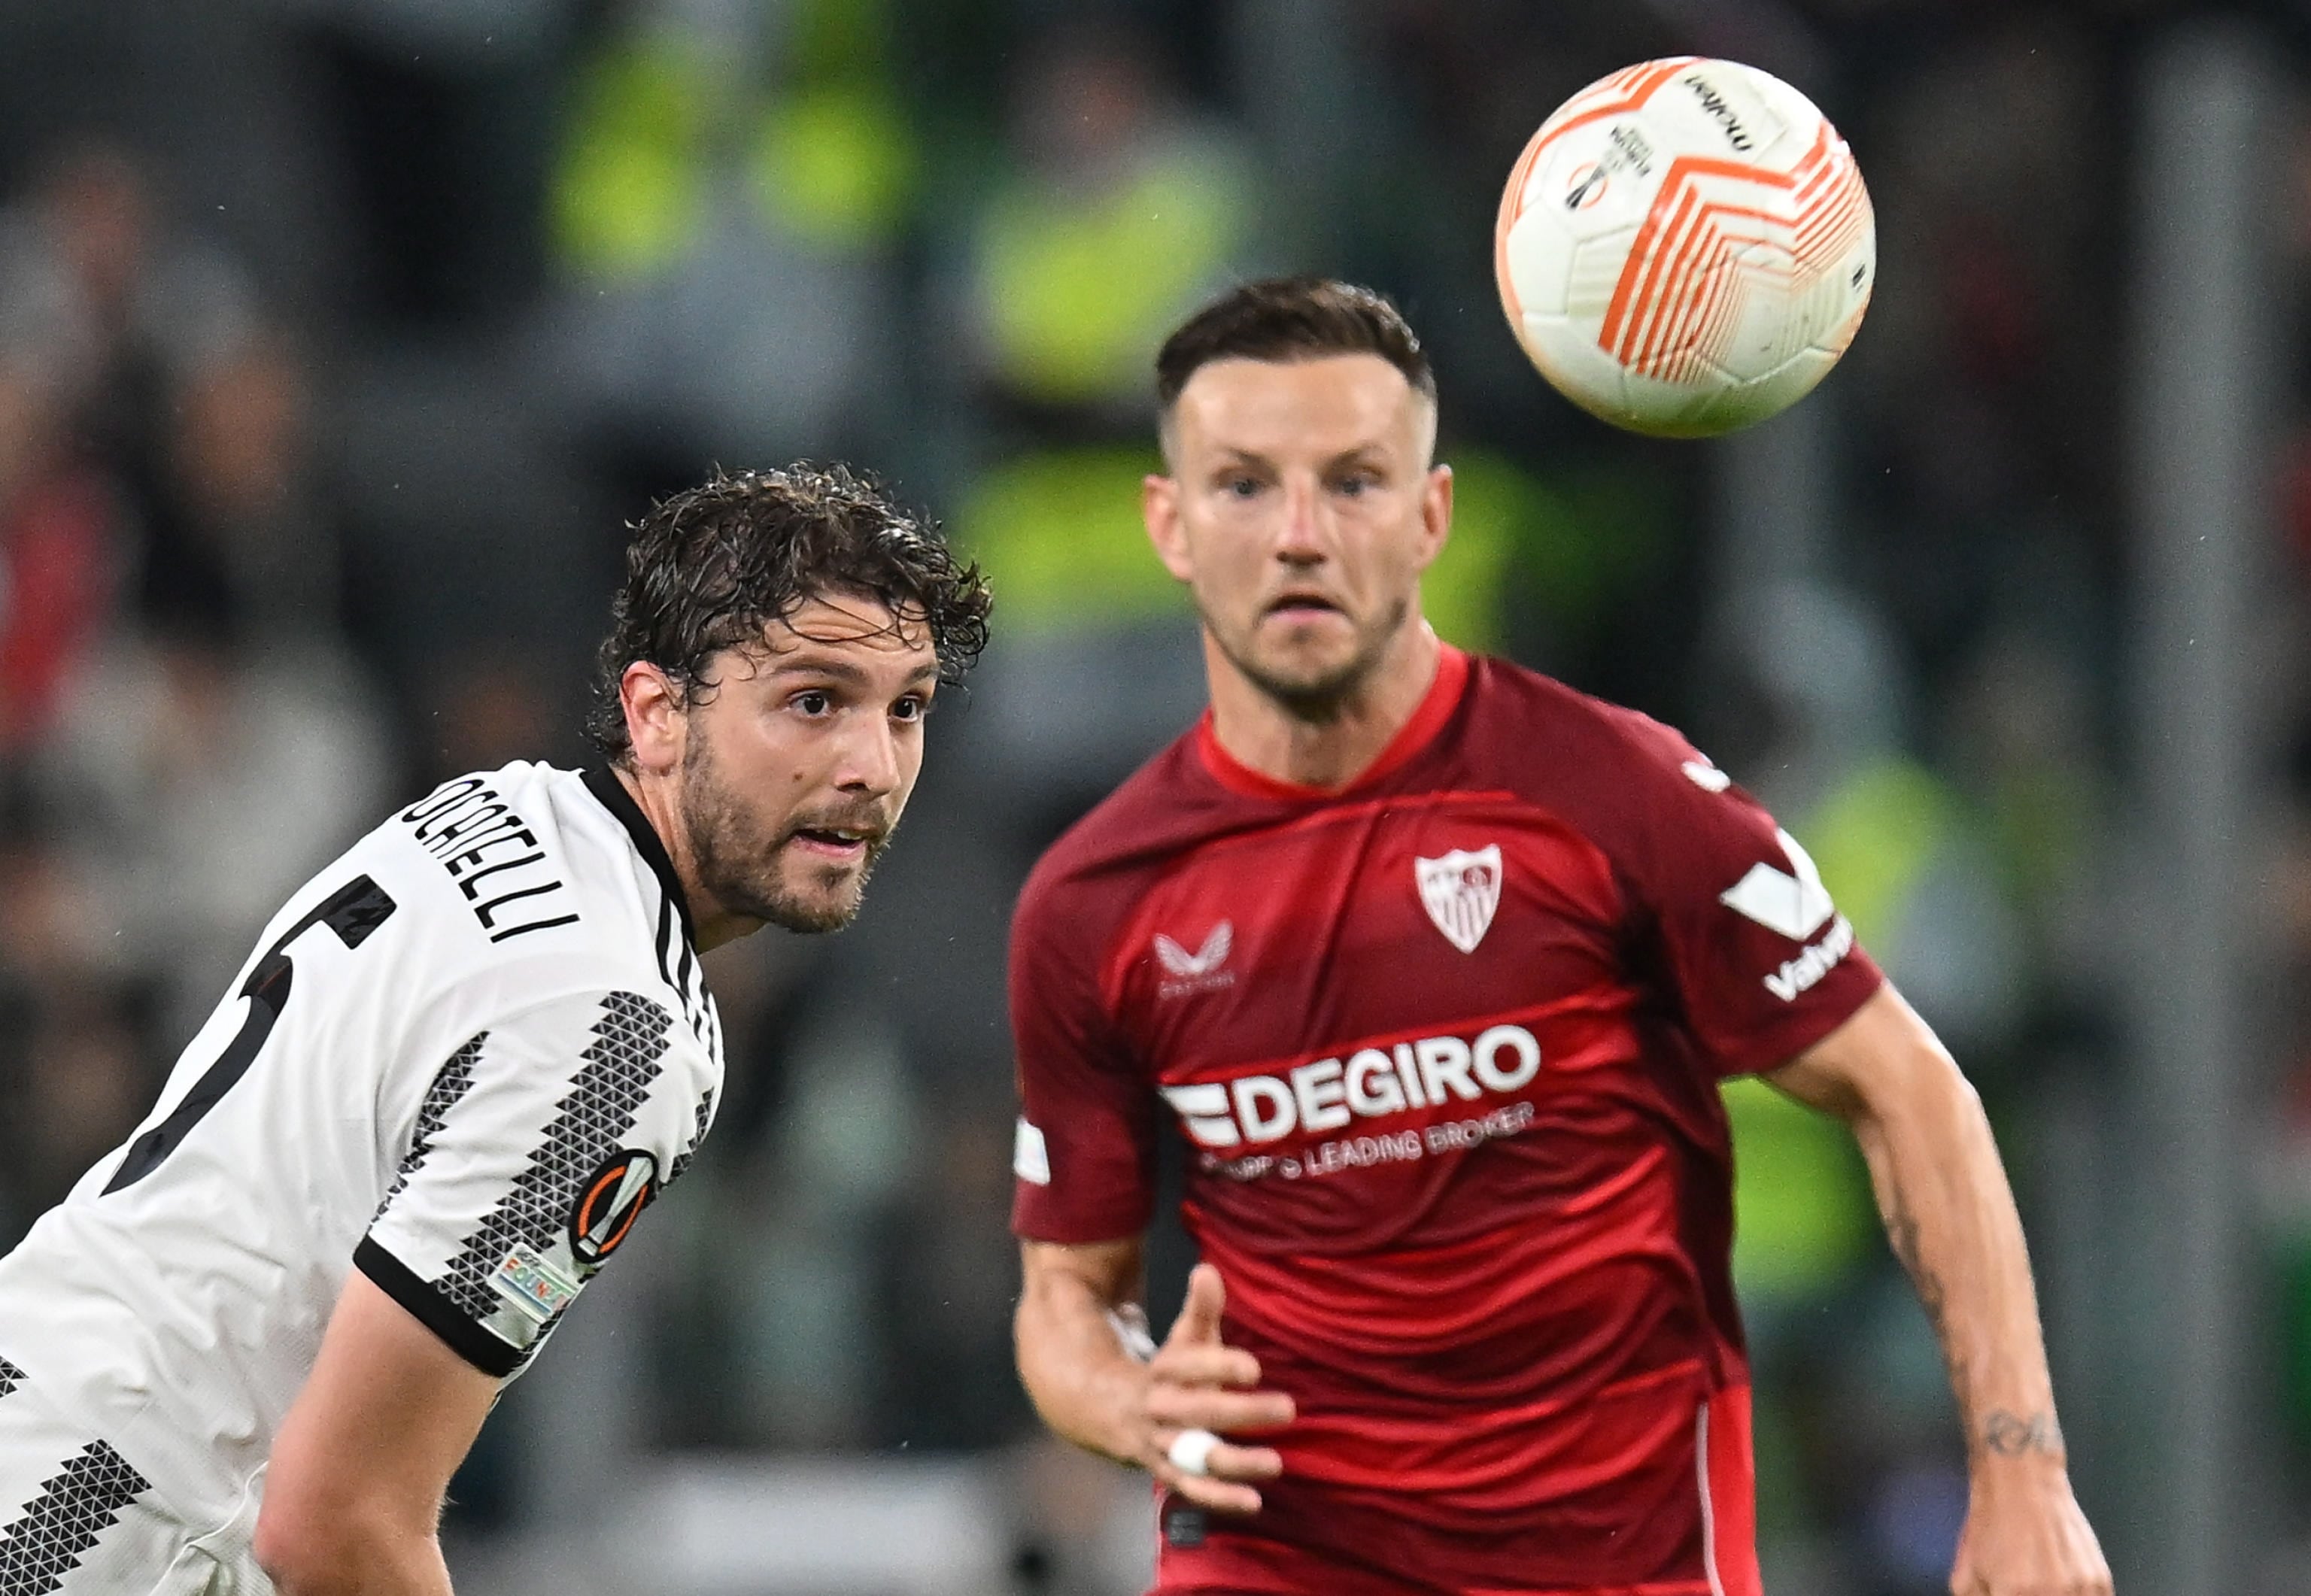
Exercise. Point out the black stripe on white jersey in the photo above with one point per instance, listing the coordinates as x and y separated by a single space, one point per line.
666 935
674 1171
450 1083
685 977
593 1120
56 1528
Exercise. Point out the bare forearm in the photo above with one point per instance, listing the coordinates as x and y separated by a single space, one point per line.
1077 1368
1949 1214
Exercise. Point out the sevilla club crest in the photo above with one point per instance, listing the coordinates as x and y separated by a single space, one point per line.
1461 892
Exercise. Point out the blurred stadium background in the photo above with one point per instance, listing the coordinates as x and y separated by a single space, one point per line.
338 336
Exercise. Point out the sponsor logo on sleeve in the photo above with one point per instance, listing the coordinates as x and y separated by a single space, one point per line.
1203 971
1802 973
1461 892
1031 1156
1793 902
1796 905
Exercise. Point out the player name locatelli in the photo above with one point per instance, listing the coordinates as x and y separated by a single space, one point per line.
490 851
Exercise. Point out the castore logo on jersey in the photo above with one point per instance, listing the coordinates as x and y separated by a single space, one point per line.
1197 972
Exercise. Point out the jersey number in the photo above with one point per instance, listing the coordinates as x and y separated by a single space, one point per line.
352 912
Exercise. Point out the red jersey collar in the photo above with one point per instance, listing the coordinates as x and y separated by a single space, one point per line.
1443 696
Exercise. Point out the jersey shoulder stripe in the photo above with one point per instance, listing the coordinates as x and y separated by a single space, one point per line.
56 1528
703 1121
450 1085
469 1302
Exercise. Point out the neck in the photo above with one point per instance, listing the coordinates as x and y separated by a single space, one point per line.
657 797
1331 751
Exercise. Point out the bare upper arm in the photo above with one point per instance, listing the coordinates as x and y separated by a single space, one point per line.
1880 1054
367 1449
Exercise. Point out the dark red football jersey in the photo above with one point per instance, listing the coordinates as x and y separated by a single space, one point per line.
1445 1047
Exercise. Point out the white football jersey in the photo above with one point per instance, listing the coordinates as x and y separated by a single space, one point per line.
462 1060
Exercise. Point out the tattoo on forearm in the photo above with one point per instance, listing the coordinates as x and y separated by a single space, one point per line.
2001 1433
1902 1232
2012 1435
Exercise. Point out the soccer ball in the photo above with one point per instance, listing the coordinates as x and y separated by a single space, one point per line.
1685 246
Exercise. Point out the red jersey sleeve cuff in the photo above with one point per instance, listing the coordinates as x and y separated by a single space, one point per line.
1036 1217
1814 1016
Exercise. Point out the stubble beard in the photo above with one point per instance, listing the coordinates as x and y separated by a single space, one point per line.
738 860
1322 696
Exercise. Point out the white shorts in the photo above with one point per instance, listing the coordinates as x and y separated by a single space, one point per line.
76 1518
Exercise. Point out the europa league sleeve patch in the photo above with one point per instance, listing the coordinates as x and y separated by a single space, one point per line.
608 1202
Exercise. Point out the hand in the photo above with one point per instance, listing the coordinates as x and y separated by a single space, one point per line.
2025 1535
1196 1382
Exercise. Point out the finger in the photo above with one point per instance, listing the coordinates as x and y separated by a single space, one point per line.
1197 1364
1223 1459
1221 1496
1244 1463
1199 1323
1225 1412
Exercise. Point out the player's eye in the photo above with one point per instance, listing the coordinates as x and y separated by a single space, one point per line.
813 701
912 706
1356 484
1240 487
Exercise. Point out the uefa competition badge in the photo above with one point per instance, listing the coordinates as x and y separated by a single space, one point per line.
1461 891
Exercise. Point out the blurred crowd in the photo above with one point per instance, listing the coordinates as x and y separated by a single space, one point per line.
338 337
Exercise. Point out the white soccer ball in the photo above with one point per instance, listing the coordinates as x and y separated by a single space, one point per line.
1686 246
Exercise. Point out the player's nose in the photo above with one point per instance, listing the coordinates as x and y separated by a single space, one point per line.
1300 532
872 763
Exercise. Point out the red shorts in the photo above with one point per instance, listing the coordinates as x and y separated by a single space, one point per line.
1724 1487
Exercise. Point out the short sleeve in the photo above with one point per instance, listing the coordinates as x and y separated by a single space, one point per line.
1763 964
1083 1158
536 1148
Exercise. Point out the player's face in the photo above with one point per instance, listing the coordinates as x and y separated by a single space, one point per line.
796 764
1301 510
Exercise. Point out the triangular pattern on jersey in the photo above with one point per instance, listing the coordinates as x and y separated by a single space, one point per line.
56 1529
698 1134
449 1085
592 1121
11 1377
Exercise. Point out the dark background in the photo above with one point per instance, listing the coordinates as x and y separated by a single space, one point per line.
339 338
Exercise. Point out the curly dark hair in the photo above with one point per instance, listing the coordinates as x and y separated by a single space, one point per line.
711 567
1291 318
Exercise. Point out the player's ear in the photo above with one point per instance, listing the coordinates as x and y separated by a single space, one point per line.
1159 507
656 720
1435 513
